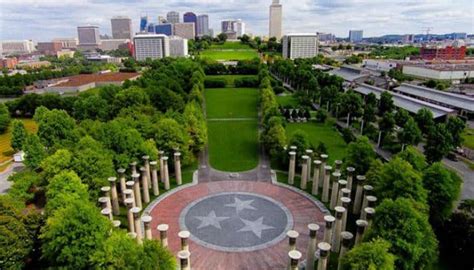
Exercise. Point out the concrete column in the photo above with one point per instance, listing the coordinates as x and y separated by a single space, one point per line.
335 189
343 192
350 176
122 180
291 169
166 175
145 190
345 202
292 235
338 229
324 248
184 236
177 168
163 229
138 226
154 178
104 202
113 192
106 194
309 153
107 212
358 196
369 201
328 228
361 225
133 167
146 164
346 243
313 241
304 172
184 261
327 173
147 225
116 223
317 169
129 193
366 191
324 159
132 235
131 222
294 256
136 190
338 166
160 155
369 215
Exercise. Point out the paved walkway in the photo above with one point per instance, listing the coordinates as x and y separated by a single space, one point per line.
4 183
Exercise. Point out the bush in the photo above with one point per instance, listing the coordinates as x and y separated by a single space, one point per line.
321 116
214 83
347 135
246 82
278 90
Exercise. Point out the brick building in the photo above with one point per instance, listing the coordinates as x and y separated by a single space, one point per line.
443 53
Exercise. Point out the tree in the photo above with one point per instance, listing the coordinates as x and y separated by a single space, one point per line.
19 135
386 103
222 37
424 118
456 127
72 234
63 189
56 127
407 230
91 107
55 163
4 118
443 187
416 159
387 123
133 96
34 151
401 117
373 255
170 136
438 143
360 155
397 178
410 134
300 139
351 104
274 139
195 126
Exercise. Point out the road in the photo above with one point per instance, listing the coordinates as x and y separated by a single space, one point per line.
4 183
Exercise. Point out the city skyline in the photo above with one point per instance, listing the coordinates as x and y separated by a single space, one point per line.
25 19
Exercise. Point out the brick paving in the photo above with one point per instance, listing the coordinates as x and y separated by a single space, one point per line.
303 210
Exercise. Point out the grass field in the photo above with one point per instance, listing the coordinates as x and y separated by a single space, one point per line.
233 145
6 152
288 100
230 46
230 78
468 137
231 103
317 133
229 54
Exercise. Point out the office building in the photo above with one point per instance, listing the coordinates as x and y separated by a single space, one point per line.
121 27
443 53
143 23
190 17
162 20
165 29
326 37
275 22
178 46
408 38
113 44
172 17
150 28
202 25
300 46
16 47
49 48
151 46
89 37
184 30
233 28
67 43
239 28
356 36
8 63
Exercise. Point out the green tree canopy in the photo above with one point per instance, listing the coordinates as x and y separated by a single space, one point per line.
34 151
360 155
456 127
424 118
416 159
19 135
410 134
56 127
438 143
386 103
63 189
373 255
4 118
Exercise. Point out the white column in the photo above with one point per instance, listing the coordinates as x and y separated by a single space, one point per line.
121 173
361 225
184 261
345 202
346 243
145 189
177 168
324 248
324 159
113 190
328 228
163 229
309 153
131 221
317 169
327 173
136 190
304 172
358 196
350 176
146 162
184 236
138 226
312 243
291 169
147 225
166 173
161 154
294 256
292 235
338 165
335 189
154 177
337 235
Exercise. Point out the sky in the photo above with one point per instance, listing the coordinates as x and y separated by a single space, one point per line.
47 19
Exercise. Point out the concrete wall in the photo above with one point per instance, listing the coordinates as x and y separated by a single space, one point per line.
437 74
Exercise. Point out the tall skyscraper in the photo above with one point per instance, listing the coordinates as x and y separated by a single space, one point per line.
239 27
172 17
143 23
184 30
356 35
202 25
275 22
150 28
300 46
121 27
151 46
88 35
178 46
233 28
165 29
190 17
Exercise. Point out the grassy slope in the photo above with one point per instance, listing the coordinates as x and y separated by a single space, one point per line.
229 55
288 100
231 46
231 103
6 152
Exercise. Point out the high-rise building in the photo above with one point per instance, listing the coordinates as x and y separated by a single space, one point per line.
49 48
172 17
89 36
151 46
408 38
178 46
326 37
227 26
356 36
67 43
202 25
275 27
190 17
121 27
150 28
9 47
443 53
233 28
184 30
165 29
300 46
143 23
239 27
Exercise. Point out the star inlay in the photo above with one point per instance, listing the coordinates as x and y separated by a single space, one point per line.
211 220
256 227
241 204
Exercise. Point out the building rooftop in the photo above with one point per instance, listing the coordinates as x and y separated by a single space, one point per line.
449 99
302 35
82 79
349 73
410 104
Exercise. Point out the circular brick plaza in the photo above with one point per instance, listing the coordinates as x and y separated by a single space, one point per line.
237 224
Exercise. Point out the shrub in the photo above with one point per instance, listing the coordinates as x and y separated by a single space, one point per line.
278 90
321 116
214 83
347 135
246 82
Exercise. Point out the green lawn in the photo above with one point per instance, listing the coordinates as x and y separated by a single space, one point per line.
230 78
230 46
233 145
231 103
317 133
468 137
288 100
229 54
